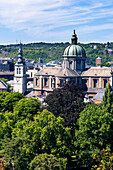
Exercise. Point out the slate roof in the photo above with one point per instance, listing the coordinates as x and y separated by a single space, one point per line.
7 73
57 71
99 96
97 72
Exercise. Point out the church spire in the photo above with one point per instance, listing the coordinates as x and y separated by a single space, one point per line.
74 38
20 55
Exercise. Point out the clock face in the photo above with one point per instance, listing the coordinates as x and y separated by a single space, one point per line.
17 79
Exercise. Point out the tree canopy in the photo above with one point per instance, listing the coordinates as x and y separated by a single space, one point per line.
34 139
66 102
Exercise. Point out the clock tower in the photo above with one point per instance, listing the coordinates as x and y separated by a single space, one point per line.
20 79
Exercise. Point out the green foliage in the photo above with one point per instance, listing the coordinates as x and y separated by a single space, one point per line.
27 108
108 98
95 132
54 51
5 80
14 150
66 102
48 132
104 160
30 138
10 100
7 122
48 162
106 65
26 139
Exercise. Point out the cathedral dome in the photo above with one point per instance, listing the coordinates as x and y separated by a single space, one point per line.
74 49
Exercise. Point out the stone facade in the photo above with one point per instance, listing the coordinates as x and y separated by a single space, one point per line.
50 78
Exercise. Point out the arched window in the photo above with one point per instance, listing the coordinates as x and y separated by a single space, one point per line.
36 81
45 81
17 70
95 83
70 64
105 82
31 74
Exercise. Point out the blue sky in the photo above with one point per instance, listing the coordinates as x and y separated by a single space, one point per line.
54 20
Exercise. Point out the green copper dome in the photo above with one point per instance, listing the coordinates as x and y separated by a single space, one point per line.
74 49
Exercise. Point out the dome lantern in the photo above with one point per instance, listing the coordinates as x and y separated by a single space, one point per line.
74 38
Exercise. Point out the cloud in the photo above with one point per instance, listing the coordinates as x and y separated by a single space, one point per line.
89 29
45 18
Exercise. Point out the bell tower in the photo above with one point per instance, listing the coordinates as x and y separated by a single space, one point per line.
20 79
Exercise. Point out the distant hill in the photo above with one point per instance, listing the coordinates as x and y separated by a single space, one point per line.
54 51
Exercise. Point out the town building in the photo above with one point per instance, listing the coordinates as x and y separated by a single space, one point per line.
6 64
7 75
98 61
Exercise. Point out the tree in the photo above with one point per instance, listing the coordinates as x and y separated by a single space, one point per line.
10 99
104 160
46 134
7 123
66 102
48 162
95 132
27 108
108 98
15 150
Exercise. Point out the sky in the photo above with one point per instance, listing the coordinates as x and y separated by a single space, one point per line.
54 21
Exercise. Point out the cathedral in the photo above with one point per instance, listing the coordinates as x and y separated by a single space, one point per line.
92 80
53 77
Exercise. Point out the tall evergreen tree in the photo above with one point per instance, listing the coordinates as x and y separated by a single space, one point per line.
108 98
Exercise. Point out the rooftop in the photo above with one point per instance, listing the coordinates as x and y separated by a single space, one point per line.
57 71
97 72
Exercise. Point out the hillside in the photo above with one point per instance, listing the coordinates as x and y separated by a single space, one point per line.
54 51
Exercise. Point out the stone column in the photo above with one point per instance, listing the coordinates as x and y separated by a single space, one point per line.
111 79
56 82
41 82
81 65
90 83
100 82
75 65
50 82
